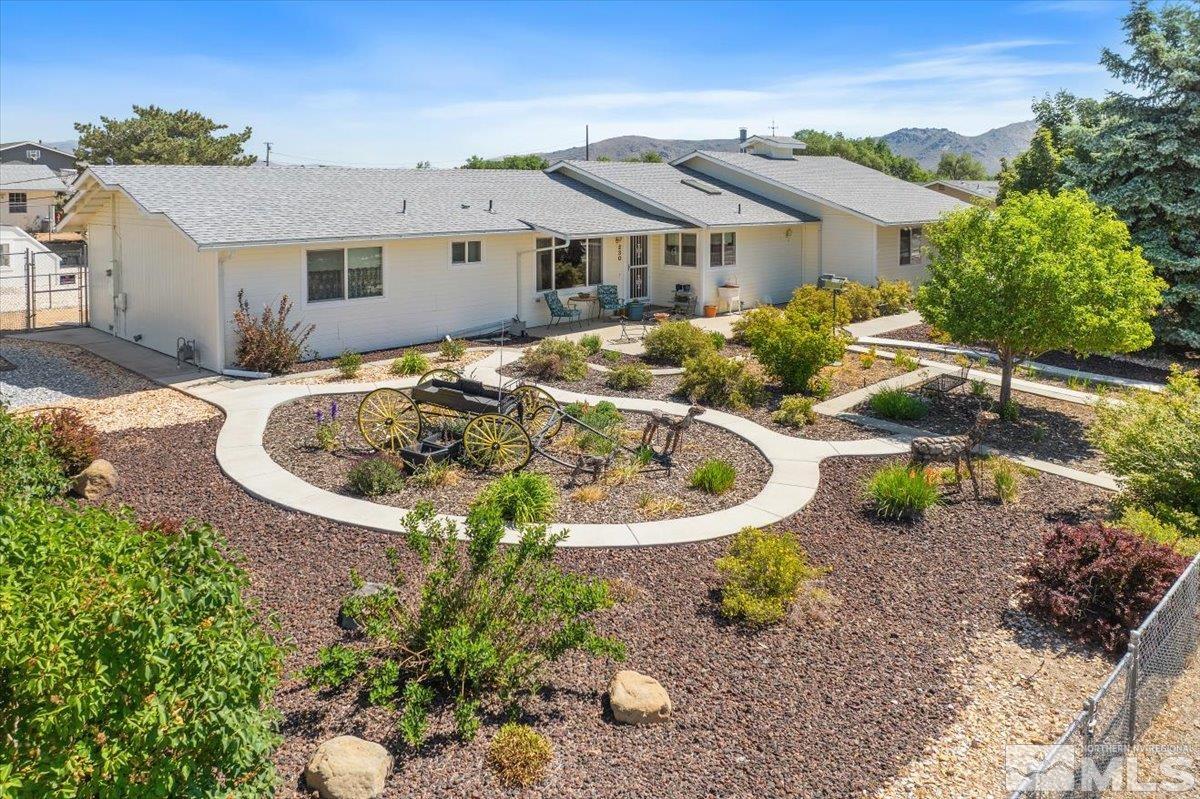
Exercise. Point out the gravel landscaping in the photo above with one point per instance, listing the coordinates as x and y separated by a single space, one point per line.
289 440
1048 429
827 708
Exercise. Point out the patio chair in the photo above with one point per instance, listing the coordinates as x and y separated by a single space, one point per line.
558 310
609 301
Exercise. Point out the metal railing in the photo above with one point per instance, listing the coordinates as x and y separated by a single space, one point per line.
1127 701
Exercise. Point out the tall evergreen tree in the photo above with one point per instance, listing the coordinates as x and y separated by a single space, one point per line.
1143 158
154 135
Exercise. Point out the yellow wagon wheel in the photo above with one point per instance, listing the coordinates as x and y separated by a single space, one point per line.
438 374
537 409
492 441
388 419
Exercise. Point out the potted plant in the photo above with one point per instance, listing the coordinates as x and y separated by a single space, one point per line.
635 310
710 310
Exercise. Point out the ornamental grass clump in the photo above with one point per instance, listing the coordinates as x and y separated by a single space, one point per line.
713 476
519 497
556 359
1097 582
410 363
898 405
899 493
673 342
763 573
519 755
131 661
605 422
714 380
629 377
488 622
267 343
375 477
73 442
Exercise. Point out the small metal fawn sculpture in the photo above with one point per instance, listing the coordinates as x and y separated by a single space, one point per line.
952 449
675 426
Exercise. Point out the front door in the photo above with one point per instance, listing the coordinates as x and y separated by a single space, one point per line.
639 267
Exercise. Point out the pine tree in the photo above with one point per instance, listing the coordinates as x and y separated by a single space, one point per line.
1143 158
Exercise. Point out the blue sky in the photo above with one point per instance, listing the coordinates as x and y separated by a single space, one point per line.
390 84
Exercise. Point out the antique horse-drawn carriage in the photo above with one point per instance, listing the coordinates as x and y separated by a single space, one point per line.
447 415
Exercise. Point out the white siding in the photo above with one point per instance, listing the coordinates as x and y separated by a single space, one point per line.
770 265
888 257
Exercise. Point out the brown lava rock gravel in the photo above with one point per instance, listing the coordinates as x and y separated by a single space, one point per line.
289 440
800 710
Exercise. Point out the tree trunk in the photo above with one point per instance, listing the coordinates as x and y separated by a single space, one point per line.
1007 362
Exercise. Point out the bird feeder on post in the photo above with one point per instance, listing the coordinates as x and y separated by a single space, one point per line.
836 284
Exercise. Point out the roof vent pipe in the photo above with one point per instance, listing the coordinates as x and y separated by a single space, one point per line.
490 211
739 208
741 134
404 207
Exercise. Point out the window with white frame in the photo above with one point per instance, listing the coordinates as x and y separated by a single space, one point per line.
18 202
723 249
679 249
910 245
568 264
466 252
350 273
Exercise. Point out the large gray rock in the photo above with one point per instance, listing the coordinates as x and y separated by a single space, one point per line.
638 699
347 767
98 479
345 621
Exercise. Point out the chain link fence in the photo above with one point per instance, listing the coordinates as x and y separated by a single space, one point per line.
41 292
1127 701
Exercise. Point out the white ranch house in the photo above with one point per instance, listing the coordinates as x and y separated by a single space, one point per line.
385 257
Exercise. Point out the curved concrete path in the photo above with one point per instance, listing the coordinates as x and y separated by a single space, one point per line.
792 484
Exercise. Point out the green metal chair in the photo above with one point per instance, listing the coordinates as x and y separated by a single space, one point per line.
559 311
610 302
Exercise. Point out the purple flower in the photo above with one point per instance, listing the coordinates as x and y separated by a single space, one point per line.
333 410
320 416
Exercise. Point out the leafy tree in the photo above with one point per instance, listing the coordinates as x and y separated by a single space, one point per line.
1039 273
1142 158
154 135
868 151
648 157
507 162
960 166
424 165
1036 169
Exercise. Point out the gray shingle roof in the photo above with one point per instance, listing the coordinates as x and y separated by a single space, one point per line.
664 185
882 198
982 188
786 141
29 177
229 206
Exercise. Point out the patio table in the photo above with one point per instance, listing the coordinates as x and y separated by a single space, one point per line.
586 299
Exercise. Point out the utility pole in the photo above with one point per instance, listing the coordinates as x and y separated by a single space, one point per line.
268 153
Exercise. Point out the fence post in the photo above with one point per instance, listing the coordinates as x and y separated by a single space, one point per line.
1131 689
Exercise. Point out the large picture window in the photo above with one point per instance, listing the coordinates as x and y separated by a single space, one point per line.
341 274
679 249
723 249
568 264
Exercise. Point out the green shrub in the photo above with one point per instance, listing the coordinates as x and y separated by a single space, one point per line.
488 621
894 296
863 301
713 477
898 405
819 386
604 419
673 342
74 442
267 343
795 411
1152 441
130 662
811 301
907 361
610 356
28 466
900 493
374 477
1161 531
1006 477
591 343
348 364
763 573
452 349
712 379
792 346
718 339
867 359
629 376
519 755
979 389
556 359
410 363
519 497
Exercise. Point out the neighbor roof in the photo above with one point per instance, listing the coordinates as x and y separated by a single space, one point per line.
835 181
784 141
987 189
692 196
8 145
29 177
234 206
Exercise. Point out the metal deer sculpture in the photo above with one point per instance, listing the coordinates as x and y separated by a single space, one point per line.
953 449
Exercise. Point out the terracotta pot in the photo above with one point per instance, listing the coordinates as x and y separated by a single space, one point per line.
710 311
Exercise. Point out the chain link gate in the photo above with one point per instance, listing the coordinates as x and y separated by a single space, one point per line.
38 291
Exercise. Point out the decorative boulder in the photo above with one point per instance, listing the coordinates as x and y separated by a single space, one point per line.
345 621
98 479
638 699
347 767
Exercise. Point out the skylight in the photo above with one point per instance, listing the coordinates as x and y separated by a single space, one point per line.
707 188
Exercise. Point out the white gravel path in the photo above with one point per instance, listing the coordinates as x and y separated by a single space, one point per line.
42 377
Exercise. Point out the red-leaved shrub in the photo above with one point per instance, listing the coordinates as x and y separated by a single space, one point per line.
1097 582
73 442
267 343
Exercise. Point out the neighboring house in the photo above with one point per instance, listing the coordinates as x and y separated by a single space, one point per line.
29 194
33 152
384 257
971 191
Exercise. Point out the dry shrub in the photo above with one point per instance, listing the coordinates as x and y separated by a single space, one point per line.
519 755
589 494
267 343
